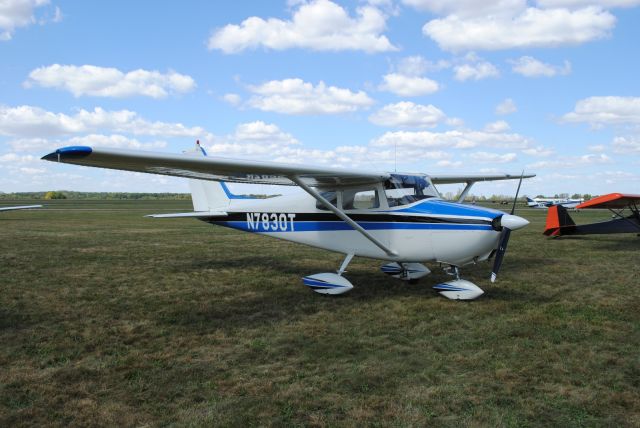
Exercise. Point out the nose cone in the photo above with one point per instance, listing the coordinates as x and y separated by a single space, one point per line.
513 222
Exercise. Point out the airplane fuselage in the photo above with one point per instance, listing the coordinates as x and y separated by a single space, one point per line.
429 230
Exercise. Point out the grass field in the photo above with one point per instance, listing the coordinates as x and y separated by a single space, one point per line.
109 318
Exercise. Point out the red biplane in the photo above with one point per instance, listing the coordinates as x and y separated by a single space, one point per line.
559 222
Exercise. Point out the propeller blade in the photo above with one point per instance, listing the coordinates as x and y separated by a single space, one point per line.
513 208
515 222
502 248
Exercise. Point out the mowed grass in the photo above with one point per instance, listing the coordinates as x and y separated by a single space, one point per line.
109 318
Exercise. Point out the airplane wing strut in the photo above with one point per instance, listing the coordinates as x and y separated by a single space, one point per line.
341 214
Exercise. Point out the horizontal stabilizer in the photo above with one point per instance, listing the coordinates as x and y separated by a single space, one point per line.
196 214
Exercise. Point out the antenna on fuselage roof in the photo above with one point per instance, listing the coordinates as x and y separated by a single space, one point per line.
395 156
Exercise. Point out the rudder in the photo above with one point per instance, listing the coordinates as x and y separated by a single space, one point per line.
559 222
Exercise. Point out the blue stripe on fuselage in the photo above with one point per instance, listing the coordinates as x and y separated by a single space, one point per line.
314 226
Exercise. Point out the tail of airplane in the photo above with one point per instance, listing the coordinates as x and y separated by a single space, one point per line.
559 222
210 195
531 202
207 195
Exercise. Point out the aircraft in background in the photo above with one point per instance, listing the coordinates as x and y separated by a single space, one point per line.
399 218
559 223
23 207
550 202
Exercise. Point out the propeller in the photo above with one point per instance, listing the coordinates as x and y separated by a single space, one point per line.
506 223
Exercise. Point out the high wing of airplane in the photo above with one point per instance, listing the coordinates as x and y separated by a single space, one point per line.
623 206
22 207
399 218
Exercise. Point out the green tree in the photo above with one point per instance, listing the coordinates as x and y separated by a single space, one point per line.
55 195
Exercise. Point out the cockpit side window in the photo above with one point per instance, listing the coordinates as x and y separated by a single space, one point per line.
406 189
331 196
362 199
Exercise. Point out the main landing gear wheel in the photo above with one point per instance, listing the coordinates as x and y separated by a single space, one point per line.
328 282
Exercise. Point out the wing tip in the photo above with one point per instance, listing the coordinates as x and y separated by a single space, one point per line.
68 152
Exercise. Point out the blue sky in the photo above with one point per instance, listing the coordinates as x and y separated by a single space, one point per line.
548 86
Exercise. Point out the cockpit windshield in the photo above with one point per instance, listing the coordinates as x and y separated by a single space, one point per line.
405 189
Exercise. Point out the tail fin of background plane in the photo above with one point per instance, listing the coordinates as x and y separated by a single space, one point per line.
559 222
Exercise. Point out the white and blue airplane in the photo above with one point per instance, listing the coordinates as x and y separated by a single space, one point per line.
549 202
399 218
22 207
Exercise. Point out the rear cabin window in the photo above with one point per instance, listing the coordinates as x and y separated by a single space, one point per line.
331 196
360 199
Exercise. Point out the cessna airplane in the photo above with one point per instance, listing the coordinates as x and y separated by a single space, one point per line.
399 218
23 207
559 223
547 203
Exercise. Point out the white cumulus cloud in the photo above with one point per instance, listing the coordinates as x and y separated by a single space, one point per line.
487 157
538 151
531 67
417 65
319 25
476 71
408 114
233 99
110 82
454 139
626 145
408 86
467 8
260 131
29 121
572 161
522 27
259 140
507 106
93 140
407 78
294 96
19 13
608 110
575 4
497 126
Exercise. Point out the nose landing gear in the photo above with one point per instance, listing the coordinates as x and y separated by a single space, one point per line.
410 272
458 289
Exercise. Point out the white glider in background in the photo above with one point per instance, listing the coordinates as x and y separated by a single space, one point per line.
23 207
399 218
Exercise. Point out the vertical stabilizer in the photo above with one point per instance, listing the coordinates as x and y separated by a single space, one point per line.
207 195
559 222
